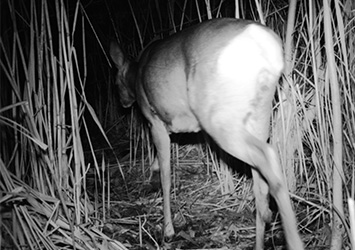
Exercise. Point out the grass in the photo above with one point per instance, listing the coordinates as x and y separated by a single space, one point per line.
71 160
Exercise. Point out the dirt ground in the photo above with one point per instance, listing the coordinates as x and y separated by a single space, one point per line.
203 217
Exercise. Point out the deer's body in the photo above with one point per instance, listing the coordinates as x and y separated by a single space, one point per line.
219 76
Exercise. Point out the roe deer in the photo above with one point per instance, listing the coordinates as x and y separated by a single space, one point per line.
219 76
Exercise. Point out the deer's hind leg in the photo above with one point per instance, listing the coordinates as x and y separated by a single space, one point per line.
263 213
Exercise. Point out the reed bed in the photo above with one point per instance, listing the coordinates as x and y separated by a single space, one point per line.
74 165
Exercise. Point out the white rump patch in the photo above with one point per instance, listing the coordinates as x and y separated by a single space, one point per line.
251 51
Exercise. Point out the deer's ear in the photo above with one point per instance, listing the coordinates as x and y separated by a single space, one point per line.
117 55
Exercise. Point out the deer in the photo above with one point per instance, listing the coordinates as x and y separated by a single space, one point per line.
219 76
